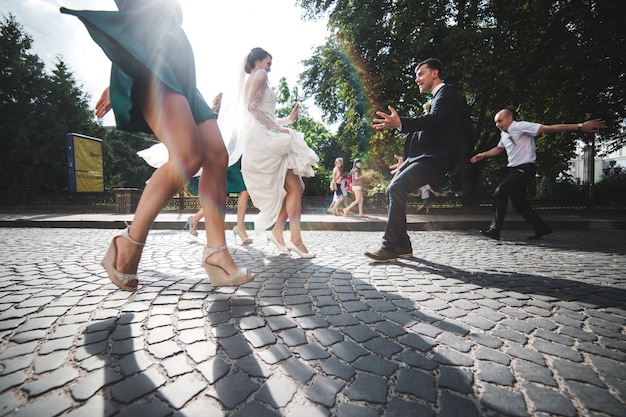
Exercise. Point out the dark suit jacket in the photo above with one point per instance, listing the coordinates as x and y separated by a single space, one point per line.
435 135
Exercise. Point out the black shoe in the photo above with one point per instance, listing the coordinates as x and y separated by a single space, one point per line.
491 233
539 235
405 252
382 255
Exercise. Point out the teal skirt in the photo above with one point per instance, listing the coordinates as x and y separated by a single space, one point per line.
144 36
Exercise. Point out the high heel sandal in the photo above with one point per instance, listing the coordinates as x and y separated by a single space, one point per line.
189 225
218 275
292 247
272 238
244 240
119 279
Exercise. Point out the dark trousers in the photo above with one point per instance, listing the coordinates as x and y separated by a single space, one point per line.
515 186
407 180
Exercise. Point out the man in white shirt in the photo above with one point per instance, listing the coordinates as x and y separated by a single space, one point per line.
518 140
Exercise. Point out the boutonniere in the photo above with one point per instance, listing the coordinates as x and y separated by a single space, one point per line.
427 107
511 139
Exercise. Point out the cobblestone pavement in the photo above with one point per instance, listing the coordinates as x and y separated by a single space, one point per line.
469 327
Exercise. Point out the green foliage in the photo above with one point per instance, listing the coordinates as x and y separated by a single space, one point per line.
549 61
37 110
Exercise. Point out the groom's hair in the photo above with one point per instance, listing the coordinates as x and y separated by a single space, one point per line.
433 64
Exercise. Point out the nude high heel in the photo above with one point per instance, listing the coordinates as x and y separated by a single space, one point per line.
272 238
119 279
244 240
218 275
292 247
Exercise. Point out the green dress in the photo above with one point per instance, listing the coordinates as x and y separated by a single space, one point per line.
144 36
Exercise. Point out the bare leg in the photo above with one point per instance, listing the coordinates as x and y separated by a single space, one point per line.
242 207
169 116
195 219
281 220
358 200
293 205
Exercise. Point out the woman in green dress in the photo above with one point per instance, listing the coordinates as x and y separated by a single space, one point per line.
153 89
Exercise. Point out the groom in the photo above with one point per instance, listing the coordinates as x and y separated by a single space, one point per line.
430 150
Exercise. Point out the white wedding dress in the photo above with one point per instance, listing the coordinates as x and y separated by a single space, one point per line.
267 153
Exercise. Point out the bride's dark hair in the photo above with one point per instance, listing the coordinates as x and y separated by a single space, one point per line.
256 54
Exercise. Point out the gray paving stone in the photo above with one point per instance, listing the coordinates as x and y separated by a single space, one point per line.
201 406
348 351
311 352
308 411
509 403
367 388
277 392
335 367
177 365
456 379
137 386
181 390
213 369
297 369
493 373
151 409
49 362
417 383
260 337
328 337
233 389
255 409
236 346
352 410
201 351
383 347
456 406
549 401
87 386
275 354
595 398
50 381
95 406
49 405
557 350
401 408
375 365
324 391
446 356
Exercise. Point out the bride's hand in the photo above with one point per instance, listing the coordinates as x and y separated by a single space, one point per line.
294 113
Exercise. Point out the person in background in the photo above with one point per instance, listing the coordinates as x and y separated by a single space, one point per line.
425 194
356 187
517 139
234 185
339 188
152 89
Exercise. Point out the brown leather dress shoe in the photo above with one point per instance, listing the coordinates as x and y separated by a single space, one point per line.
382 255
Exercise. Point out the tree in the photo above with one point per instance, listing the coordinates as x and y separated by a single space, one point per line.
37 110
549 61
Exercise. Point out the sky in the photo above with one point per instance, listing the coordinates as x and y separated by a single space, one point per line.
221 34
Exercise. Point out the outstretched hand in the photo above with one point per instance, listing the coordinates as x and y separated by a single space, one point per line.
394 168
104 104
387 121
593 126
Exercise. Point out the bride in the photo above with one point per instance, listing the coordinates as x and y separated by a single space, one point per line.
274 158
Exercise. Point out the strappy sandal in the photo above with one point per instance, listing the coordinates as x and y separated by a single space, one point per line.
119 279
218 275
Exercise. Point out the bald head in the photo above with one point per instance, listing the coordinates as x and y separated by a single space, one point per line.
503 119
